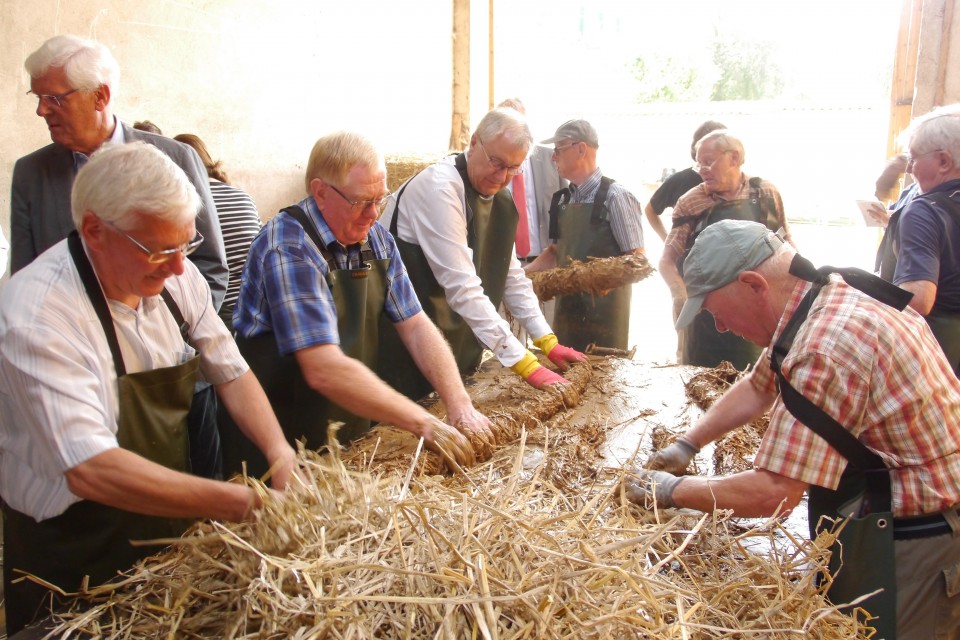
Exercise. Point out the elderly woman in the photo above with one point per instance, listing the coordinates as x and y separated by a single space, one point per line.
239 221
926 237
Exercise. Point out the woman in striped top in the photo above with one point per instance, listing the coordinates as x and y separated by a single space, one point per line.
239 221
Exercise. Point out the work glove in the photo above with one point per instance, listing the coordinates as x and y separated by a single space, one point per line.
648 488
536 375
674 459
559 355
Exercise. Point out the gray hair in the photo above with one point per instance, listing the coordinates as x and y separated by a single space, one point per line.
506 122
123 181
87 63
723 141
335 154
935 131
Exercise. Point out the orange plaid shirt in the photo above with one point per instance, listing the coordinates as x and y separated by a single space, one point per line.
882 375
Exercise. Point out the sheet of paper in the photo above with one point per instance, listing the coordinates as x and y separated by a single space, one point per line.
874 213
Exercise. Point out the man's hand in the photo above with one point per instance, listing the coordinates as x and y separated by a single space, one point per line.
646 488
559 355
469 422
541 378
283 464
450 444
675 458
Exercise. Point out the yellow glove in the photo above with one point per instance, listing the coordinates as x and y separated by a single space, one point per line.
546 343
527 365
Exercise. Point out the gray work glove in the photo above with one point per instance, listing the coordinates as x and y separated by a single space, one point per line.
674 459
644 487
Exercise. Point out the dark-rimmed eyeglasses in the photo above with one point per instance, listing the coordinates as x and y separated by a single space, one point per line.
361 205
52 101
499 164
164 255
558 150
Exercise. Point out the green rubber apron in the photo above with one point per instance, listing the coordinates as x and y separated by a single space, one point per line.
583 231
491 231
304 414
704 346
862 558
89 538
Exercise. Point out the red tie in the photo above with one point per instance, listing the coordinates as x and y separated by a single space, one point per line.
523 228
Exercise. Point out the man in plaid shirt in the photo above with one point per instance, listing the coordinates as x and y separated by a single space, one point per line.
876 371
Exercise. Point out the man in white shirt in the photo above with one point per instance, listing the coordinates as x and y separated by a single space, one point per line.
455 224
101 341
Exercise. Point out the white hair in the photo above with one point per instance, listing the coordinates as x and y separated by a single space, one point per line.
938 130
86 63
123 181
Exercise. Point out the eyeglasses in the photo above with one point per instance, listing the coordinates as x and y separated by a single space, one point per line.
52 101
164 255
911 158
361 205
558 150
699 166
499 164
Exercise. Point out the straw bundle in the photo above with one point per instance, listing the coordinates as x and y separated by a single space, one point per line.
596 276
402 167
499 554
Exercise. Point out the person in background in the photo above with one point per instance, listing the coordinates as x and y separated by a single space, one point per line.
677 184
239 220
318 278
862 404
925 236
149 127
102 337
75 81
594 218
455 226
726 193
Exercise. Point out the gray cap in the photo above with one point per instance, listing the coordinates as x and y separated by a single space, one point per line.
578 130
722 252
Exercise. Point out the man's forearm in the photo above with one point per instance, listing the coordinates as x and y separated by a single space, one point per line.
742 403
750 494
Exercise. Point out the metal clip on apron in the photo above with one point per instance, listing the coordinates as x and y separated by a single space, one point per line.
864 547
583 231
303 413
89 538
492 244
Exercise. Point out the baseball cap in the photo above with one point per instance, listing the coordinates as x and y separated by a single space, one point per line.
722 252
579 130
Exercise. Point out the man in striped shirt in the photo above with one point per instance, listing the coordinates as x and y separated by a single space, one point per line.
876 371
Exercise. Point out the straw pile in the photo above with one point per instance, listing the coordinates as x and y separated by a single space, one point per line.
596 276
402 167
498 554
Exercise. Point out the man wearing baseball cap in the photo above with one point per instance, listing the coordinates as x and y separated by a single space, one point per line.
594 217
864 418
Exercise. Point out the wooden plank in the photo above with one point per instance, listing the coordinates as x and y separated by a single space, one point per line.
460 122
904 73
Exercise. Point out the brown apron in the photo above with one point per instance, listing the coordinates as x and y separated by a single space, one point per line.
92 539
359 295
583 231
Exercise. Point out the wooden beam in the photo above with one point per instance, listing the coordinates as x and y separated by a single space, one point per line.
490 93
904 72
460 121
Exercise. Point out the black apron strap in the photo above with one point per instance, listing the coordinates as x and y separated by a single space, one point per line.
599 212
563 195
97 299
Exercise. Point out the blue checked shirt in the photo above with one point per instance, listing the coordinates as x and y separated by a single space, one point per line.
285 289
625 210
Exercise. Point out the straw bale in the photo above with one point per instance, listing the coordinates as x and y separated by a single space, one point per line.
595 276
402 167
495 554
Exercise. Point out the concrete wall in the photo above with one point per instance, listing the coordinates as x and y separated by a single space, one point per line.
258 81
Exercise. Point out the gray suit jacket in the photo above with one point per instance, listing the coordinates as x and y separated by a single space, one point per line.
40 213
546 182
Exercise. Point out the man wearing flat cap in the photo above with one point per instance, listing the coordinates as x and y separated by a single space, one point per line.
864 418
595 217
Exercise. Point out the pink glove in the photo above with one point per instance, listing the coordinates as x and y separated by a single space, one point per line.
542 377
562 356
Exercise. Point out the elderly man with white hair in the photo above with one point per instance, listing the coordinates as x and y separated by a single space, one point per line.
923 236
101 341
726 193
455 225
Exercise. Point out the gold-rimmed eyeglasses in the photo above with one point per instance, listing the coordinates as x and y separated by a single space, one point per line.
53 101
708 166
360 205
499 164
163 255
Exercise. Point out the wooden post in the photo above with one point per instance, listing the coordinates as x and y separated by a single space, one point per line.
460 124
490 93
904 72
